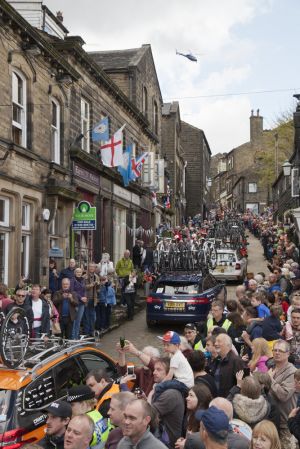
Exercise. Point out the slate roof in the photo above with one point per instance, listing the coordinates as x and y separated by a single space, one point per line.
118 59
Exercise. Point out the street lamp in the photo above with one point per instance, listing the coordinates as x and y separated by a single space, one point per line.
287 168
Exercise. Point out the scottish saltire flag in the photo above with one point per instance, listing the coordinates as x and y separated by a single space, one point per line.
137 165
101 131
125 168
112 150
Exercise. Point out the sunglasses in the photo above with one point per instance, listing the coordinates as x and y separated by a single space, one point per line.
21 296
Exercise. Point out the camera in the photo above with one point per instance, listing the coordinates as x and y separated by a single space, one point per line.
130 370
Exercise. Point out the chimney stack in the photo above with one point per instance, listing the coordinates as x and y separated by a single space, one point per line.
59 16
256 127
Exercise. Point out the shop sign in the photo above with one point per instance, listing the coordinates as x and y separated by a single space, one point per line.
87 175
84 217
56 252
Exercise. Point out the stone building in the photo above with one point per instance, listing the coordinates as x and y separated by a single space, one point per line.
52 94
175 157
197 155
243 187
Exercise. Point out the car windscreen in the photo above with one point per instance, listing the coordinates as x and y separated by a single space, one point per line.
177 289
6 408
226 257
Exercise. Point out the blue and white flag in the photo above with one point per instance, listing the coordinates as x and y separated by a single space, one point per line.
125 168
101 130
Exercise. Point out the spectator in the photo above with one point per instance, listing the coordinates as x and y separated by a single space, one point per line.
144 375
185 347
214 427
53 312
265 382
137 252
197 361
295 304
271 325
261 352
273 283
82 400
59 414
78 286
199 397
283 388
291 334
137 418
192 336
79 432
41 315
147 258
123 268
248 403
252 285
92 284
118 403
257 302
236 329
254 327
180 368
130 285
103 387
169 405
68 272
66 302
265 436
53 276
19 301
4 299
107 299
226 365
106 267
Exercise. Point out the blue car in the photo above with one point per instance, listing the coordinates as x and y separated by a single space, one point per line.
182 298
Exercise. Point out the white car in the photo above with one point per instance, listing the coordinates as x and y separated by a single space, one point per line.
231 266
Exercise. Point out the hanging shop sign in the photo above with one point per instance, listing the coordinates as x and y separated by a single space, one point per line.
84 217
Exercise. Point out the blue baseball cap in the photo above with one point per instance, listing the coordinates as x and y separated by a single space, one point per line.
214 420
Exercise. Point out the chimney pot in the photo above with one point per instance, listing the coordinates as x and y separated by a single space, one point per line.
59 16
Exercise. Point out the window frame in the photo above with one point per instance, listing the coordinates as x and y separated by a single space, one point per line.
55 132
5 268
252 184
5 223
85 124
22 125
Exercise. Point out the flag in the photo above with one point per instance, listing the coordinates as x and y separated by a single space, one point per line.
112 150
137 165
125 168
101 130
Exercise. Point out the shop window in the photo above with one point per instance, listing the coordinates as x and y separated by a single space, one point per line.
55 131
252 187
25 242
85 125
19 108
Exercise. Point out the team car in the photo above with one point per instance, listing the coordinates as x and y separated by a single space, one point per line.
231 265
33 374
182 298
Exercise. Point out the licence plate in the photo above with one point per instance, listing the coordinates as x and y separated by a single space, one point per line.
175 305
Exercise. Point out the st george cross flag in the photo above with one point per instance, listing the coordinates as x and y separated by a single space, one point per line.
125 168
101 131
137 165
112 150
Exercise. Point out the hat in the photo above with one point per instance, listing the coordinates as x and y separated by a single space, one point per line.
80 393
171 337
214 420
191 326
60 408
292 275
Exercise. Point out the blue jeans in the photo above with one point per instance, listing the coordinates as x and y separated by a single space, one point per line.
77 322
89 318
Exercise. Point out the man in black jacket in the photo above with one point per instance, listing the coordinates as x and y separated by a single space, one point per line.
59 415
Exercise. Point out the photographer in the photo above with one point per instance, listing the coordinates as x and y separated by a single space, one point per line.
66 302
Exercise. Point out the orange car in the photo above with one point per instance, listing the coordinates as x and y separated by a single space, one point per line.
44 377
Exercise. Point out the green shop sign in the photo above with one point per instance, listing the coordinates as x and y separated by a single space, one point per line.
84 217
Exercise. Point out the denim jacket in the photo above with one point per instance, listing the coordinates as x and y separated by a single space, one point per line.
107 295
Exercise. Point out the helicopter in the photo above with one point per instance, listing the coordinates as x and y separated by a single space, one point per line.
189 56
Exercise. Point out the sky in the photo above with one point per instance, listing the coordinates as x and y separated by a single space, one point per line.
244 48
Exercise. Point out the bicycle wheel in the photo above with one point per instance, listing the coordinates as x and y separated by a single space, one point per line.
14 337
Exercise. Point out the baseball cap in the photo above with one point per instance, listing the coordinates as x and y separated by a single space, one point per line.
191 327
60 408
214 420
80 393
171 337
